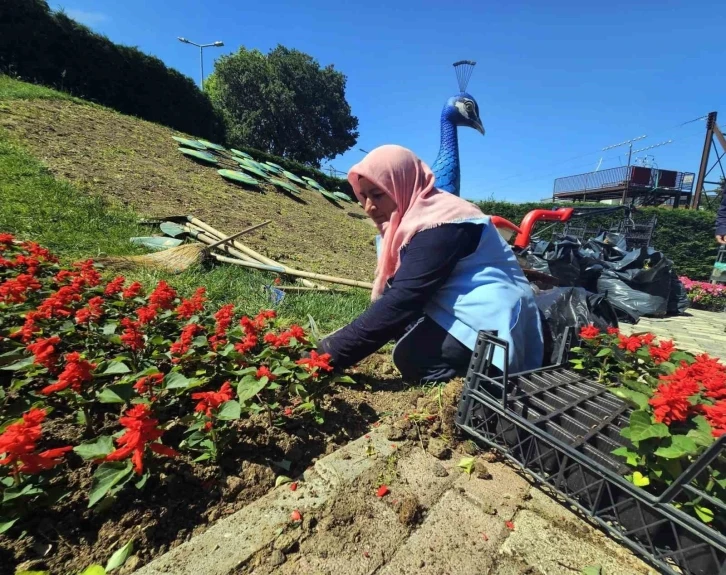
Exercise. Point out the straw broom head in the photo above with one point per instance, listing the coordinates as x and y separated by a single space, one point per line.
173 260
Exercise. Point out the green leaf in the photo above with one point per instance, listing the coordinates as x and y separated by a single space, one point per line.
5 525
19 365
667 367
680 356
93 570
109 328
119 557
95 449
640 480
343 379
642 427
229 410
120 393
702 435
603 352
467 464
281 371
630 456
636 398
680 445
175 380
593 570
116 368
704 514
15 492
249 387
203 457
107 476
282 480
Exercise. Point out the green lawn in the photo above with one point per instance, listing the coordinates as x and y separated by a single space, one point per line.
11 89
75 225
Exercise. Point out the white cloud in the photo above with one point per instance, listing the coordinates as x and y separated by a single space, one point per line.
85 17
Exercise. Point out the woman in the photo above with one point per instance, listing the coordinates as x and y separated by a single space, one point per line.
443 274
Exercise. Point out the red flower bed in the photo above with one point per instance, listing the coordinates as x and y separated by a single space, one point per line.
679 403
137 380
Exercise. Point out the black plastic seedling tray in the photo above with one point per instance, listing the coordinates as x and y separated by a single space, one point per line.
561 428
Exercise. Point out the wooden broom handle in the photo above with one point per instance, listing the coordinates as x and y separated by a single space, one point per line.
238 234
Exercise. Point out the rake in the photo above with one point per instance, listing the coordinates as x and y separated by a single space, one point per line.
180 258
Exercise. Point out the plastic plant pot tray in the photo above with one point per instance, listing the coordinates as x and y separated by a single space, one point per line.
560 428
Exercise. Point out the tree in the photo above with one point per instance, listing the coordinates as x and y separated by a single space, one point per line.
283 103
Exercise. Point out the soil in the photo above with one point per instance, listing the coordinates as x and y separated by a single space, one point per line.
183 499
135 163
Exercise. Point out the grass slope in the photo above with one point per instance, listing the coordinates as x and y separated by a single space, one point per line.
136 164
77 225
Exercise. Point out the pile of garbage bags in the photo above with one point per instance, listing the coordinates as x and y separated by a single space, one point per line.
635 283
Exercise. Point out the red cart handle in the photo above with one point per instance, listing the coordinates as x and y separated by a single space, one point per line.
525 233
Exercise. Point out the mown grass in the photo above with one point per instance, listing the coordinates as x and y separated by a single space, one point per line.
12 89
76 225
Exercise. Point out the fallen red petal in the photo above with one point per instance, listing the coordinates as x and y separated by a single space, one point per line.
296 516
366 554
293 486
383 491
367 436
485 537
509 525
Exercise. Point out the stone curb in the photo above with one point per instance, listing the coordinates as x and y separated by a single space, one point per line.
233 540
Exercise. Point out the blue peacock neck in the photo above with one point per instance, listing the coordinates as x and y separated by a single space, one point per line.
446 167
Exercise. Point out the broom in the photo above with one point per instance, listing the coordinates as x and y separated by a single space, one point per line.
177 259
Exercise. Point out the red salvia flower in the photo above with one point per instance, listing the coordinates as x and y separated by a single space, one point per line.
116 285
188 307
146 314
92 312
14 290
264 371
223 319
163 296
661 352
647 338
29 328
147 383
316 362
39 252
7 239
613 331
59 304
632 343
141 431
132 337
247 344
589 332
716 415
182 345
382 491
31 264
670 400
88 274
17 443
132 291
298 333
76 372
211 400
44 351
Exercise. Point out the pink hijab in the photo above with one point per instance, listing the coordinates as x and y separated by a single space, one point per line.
404 177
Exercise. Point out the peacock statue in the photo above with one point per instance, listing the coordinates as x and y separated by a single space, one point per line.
460 110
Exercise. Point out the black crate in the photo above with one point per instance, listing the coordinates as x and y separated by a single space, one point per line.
561 427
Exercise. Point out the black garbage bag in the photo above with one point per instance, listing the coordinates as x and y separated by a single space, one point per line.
639 284
678 301
608 246
559 259
571 307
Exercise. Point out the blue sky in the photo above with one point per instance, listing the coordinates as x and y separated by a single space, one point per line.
555 81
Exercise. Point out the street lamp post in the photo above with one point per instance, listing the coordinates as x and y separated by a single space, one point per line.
201 55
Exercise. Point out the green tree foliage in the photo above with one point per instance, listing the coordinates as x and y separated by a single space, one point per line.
685 236
283 103
50 48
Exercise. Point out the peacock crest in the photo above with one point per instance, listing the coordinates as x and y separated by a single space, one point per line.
460 110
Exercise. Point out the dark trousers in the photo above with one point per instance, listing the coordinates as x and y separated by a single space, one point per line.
427 353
